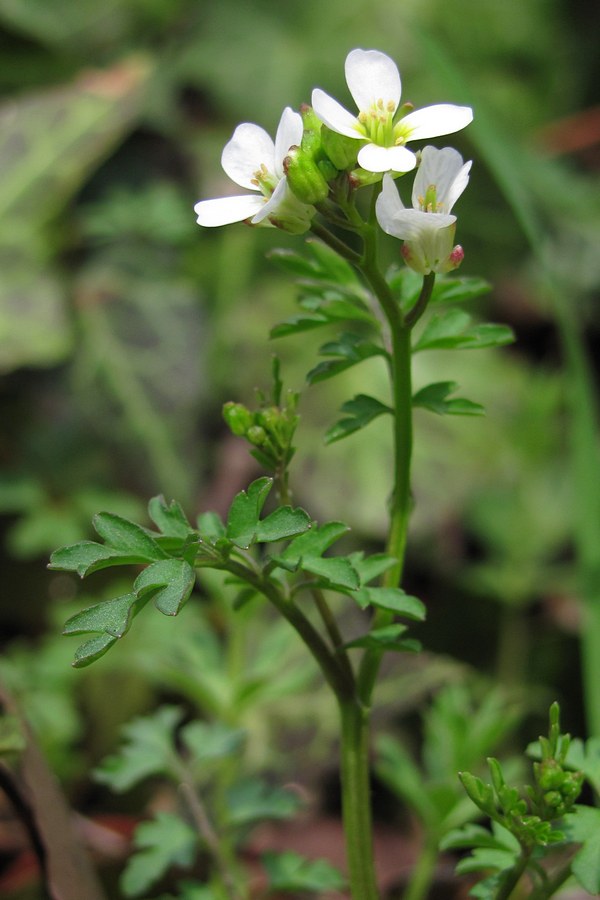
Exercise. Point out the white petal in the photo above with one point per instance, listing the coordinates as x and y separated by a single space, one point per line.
413 225
289 134
389 204
432 121
226 210
249 148
372 76
273 203
374 158
334 115
443 168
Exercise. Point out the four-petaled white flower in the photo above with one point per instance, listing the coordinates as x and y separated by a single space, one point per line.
374 82
253 161
428 228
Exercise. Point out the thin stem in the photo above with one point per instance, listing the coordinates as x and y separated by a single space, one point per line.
356 801
333 631
223 860
513 876
335 243
423 871
401 504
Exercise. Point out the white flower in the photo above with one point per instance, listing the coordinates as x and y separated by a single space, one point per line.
428 228
253 161
374 82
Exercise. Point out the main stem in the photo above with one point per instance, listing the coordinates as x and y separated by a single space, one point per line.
356 800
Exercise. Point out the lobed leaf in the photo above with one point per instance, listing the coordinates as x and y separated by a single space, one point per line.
348 350
252 800
435 397
171 582
170 518
289 871
284 522
452 330
127 537
92 650
88 556
390 637
362 409
112 617
393 599
244 513
163 842
211 740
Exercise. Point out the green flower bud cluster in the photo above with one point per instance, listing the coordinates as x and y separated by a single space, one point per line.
269 429
530 817
317 162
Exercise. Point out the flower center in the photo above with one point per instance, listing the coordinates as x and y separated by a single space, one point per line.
265 181
377 123
429 203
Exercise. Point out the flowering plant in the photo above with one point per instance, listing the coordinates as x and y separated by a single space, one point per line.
313 178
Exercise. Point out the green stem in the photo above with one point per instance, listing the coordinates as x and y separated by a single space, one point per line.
401 375
423 871
356 800
333 631
513 876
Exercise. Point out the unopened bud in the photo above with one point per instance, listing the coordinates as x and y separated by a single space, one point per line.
304 176
456 257
341 150
238 418
256 435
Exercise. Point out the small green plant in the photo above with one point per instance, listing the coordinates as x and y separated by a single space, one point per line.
331 175
534 829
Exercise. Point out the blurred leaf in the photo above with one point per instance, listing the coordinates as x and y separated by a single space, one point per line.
452 330
253 800
50 142
362 409
207 741
459 290
434 397
148 749
348 350
170 581
291 872
393 599
390 637
12 736
161 843
371 567
583 826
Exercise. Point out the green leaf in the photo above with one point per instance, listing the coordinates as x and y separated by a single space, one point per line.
163 842
362 409
315 542
92 650
299 323
284 522
452 330
244 513
390 637
88 556
211 527
434 397
459 290
170 518
171 582
127 537
393 599
112 617
252 800
291 872
371 567
148 749
211 740
484 858
583 826
332 571
349 350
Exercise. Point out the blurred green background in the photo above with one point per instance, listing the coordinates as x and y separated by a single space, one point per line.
124 327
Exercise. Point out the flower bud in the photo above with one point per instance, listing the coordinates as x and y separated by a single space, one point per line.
304 176
238 418
256 435
341 150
